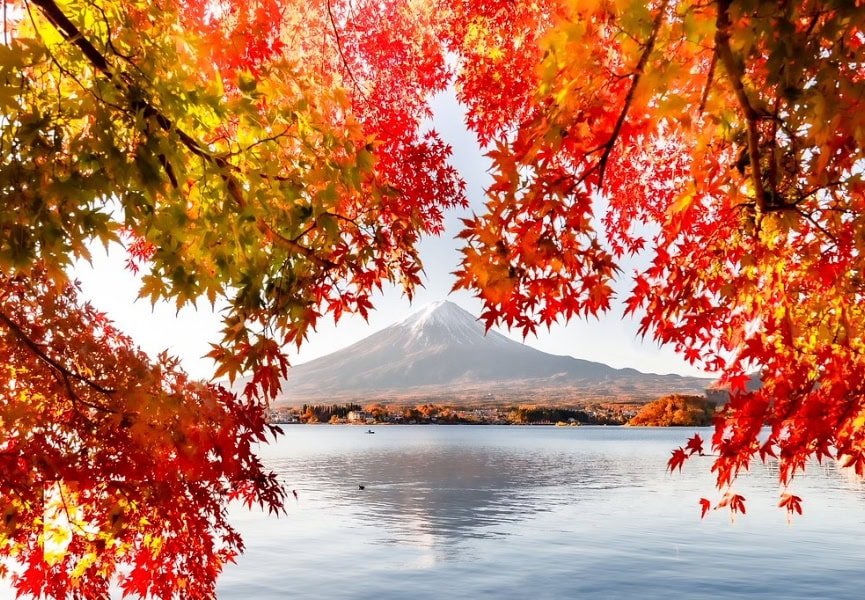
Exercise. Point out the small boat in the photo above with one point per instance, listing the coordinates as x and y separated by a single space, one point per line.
370 431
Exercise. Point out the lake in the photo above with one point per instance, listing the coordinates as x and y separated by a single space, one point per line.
539 512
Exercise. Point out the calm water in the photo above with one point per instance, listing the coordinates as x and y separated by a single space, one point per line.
535 512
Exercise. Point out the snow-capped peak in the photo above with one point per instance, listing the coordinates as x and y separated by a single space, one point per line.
442 311
445 323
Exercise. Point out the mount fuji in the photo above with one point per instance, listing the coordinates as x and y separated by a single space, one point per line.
442 353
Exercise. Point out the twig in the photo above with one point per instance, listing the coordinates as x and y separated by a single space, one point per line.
629 98
709 77
5 33
72 34
817 224
34 347
735 72
339 48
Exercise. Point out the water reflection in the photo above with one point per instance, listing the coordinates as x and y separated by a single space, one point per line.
440 496
462 512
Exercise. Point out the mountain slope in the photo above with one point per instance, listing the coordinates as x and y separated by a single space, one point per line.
442 353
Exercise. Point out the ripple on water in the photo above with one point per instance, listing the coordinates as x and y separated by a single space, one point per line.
497 512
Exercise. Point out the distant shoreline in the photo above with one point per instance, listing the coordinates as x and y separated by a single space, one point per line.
446 424
440 414
683 410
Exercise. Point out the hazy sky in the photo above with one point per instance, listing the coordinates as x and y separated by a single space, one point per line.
187 334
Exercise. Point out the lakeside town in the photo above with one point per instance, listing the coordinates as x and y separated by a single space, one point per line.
421 414
670 410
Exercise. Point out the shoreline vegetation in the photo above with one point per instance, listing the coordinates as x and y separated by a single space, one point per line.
451 414
671 410
676 410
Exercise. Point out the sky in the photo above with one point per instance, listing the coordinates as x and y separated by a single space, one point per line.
611 339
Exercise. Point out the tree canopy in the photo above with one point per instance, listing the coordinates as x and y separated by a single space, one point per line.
675 410
272 155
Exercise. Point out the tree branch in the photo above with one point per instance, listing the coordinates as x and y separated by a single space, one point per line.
709 78
66 27
339 49
74 36
735 72
819 226
64 372
629 98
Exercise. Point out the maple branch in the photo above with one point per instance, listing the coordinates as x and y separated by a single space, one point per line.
709 77
629 98
5 33
817 224
339 49
269 232
74 36
310 227
264 140
773 164
64 71
65 373
72 522
736 74
290 244
341 217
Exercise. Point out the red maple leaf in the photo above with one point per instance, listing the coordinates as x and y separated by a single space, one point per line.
739 382
695 445
677 460
791 502
736 502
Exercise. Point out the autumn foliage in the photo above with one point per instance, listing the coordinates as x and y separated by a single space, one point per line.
109 458
259 154
676 410
273 156
723 142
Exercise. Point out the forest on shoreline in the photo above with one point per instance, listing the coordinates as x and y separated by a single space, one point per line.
670 410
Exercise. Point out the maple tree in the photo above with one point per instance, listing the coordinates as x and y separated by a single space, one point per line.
252 153
675 410
272 155
110 458
724 141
